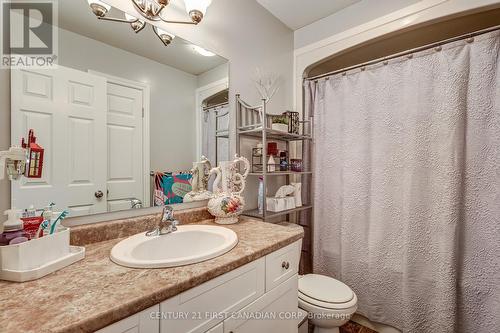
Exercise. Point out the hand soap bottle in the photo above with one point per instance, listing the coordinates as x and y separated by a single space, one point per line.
12 229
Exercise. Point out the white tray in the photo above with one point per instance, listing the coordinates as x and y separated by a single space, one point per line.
75 253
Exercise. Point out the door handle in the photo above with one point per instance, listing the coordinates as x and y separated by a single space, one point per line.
99 194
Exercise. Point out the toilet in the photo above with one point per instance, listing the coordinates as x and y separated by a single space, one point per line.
329 302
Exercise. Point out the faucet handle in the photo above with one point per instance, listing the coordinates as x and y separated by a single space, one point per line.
168 213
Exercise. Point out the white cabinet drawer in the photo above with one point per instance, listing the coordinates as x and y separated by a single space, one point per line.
143 322
282 264
197 309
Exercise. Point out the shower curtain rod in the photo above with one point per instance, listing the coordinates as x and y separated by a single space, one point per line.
403 53
205 108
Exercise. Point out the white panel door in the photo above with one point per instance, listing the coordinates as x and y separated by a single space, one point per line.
67 110
125 153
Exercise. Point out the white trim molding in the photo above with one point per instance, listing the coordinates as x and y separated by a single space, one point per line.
419 13
201 94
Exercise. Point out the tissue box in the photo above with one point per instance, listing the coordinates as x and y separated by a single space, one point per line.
280 204
275 204
289 202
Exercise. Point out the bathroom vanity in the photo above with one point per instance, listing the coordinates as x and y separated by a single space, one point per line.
243 300
238 291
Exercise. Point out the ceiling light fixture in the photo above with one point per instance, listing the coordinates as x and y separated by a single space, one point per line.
165 37
202 51
99 8
196 9
136 24
152 10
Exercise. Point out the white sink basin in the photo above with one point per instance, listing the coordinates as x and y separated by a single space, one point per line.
188 245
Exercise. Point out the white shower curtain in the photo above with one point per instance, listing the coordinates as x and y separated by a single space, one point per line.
407 187
209 126
208 137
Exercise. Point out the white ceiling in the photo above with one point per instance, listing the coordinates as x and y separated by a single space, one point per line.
76 16
298 13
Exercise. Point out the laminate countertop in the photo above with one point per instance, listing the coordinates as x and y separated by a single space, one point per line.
95 292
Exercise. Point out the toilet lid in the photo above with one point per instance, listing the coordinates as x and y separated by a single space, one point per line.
325 289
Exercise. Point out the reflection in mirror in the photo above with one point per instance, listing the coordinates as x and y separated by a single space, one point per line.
216 121
122 118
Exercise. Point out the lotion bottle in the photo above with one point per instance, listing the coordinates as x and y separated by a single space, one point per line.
13 229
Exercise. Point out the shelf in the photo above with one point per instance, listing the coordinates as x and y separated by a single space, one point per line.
281 173
273 135
270 215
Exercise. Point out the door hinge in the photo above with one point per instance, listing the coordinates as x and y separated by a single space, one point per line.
142 112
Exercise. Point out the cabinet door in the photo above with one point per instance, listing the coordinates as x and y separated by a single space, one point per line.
200 308
143 322
276 311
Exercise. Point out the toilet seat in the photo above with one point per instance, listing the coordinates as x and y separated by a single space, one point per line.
326 292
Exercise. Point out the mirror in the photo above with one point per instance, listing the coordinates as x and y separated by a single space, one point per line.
121 119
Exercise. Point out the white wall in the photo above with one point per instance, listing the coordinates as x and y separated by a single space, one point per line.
172 98
215 74
349 17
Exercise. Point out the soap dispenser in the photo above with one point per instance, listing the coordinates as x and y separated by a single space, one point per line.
13 229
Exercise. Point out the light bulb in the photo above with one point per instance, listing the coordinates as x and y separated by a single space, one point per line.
197 8
99 8
100 3
202 51
165 36
160 31
129 17
136 24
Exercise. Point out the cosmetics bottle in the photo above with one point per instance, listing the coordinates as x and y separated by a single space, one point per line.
260 199
271 164
13 229
284 161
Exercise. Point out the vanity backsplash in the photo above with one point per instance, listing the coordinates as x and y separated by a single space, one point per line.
103 231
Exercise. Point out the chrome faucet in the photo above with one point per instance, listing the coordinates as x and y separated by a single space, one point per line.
167 223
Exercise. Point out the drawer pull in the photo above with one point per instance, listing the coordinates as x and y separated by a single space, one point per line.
285 265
